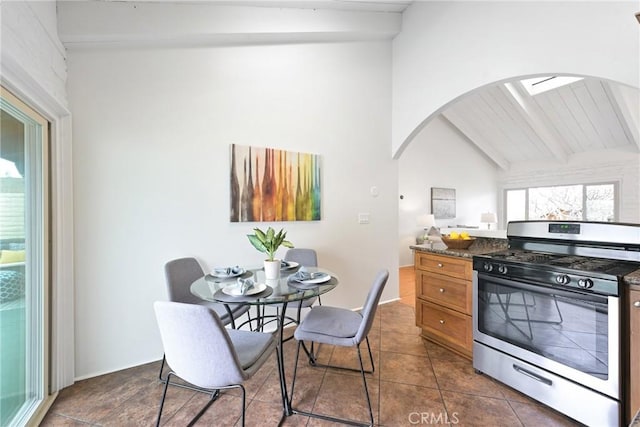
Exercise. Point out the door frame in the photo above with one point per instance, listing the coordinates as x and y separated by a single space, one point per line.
19 81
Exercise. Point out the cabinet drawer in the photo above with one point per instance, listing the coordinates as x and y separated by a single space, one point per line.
444 290
448 325
450 266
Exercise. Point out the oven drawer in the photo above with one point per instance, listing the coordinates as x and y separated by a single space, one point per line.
449 266
449 327
584 405
444 290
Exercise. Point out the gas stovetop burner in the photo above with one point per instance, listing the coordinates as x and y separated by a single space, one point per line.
578 264
522 256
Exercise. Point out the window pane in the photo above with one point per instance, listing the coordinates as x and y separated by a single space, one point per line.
556 203
516 204
600 204
23 262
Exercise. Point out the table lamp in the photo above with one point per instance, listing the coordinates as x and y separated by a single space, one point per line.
488 218
428 222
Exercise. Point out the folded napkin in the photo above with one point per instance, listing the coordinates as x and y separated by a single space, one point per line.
302 274
244 285
227 271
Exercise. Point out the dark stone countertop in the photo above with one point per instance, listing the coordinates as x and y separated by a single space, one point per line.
482 245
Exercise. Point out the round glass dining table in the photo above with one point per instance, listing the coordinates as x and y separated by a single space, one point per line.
271 291
267 292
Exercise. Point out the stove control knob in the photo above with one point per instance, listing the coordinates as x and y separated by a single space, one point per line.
488 267
563 279
502 269
585 283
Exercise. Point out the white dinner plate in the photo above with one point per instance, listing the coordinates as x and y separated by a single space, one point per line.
227 276
234 290
290 265
319 278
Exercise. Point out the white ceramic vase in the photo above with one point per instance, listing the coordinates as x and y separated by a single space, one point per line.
272 269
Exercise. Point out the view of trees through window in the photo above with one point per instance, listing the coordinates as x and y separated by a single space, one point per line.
592 202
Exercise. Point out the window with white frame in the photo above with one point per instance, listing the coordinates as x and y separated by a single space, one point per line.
585 202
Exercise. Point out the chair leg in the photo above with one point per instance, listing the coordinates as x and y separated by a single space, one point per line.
243 403
164 394
328 417
364 381
214 396
313 361
295 371
162 380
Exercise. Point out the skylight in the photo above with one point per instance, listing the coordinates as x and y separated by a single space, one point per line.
542 84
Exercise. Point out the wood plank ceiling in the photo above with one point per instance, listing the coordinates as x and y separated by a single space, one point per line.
511 126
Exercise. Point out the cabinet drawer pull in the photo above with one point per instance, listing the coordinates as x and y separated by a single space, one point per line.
440 265
636 304
441 322
442 291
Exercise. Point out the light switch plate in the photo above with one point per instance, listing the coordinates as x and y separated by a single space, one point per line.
363 218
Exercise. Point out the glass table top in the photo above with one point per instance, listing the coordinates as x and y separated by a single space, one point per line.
265 291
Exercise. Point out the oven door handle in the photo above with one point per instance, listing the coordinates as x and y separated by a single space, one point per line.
533 375
519 285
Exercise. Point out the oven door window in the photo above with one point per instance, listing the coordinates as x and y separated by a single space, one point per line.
568 327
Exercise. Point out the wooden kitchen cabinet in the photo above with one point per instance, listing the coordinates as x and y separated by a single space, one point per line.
634 353
444 300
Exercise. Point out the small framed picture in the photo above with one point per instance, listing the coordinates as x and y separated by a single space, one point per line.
443 202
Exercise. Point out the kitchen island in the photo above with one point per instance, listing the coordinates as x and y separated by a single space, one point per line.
444 291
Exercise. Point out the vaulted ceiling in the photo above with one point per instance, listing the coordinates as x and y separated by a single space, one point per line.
504 121
511 126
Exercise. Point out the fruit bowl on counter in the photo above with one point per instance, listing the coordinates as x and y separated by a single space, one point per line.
458 241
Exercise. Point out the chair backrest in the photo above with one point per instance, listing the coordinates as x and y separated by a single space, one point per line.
180 274
197 346
305 257
371 304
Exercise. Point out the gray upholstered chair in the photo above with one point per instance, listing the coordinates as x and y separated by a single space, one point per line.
180 274
200 350
341 327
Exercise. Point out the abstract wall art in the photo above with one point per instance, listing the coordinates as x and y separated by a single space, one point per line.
274 185
443 202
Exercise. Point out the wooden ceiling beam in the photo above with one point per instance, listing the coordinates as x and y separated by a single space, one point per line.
521 100
621 108
475 137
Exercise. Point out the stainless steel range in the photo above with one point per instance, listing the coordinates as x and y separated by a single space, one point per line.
547 314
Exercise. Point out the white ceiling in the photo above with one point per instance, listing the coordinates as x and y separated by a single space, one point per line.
512 127
363 5
353 5
506 123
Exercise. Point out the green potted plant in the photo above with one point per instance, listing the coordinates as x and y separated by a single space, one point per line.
268 242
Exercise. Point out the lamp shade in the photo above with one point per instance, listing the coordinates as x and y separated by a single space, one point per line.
427 221
489 217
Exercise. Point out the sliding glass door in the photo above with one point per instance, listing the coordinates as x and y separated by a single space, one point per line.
24 261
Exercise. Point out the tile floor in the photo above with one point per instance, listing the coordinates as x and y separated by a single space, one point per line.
415 383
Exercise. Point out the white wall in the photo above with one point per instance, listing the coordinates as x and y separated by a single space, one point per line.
441 157
446 49
32 66
152 129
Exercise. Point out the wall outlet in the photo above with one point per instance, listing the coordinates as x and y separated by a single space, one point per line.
363 218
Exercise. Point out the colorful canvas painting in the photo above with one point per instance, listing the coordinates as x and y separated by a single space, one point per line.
274 185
